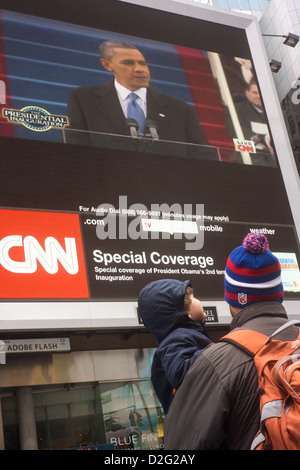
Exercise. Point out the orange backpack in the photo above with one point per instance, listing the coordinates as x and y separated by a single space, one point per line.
278 368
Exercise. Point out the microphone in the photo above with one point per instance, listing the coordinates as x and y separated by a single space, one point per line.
152 128
133 126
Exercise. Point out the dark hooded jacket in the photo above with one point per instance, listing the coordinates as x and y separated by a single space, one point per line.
181 340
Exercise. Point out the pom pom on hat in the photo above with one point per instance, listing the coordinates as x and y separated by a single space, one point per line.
256 243
252 273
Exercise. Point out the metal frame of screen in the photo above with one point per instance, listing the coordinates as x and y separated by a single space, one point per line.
94 315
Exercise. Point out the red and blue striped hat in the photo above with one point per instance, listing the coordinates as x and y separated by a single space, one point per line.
253 273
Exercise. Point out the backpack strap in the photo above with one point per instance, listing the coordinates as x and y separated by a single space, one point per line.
248 340
252 341
282 328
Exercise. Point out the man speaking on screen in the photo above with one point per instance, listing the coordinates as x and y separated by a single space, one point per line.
128 105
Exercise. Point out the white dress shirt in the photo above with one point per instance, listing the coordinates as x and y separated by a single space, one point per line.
123 95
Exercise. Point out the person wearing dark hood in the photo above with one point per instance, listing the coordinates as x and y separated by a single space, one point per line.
170 311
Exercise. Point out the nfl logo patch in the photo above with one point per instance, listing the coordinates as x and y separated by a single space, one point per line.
242 298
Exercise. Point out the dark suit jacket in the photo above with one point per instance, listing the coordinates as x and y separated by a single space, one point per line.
97 109
247 114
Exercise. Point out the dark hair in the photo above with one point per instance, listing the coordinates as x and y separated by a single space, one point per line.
249 85
107 48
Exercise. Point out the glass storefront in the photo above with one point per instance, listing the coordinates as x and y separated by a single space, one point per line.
119 415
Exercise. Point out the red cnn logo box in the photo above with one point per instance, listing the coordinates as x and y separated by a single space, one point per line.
41 256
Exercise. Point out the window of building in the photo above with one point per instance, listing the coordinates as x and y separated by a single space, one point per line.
234 4
223 4
10 422
69 419
244 5
121 415
264 4
132 415
254 4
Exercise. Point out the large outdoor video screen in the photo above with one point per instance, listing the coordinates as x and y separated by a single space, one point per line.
90 210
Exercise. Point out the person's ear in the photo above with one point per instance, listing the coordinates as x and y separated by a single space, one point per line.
106 64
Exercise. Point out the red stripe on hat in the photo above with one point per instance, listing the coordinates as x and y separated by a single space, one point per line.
255 298
253 272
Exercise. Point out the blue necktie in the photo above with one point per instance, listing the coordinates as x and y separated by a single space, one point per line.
134 111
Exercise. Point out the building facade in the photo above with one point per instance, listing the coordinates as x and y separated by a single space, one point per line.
76 367
281 18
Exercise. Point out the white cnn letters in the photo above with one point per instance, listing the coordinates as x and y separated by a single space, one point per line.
33 252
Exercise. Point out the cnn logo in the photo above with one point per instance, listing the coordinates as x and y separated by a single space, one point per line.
244 146
41 256
33 252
